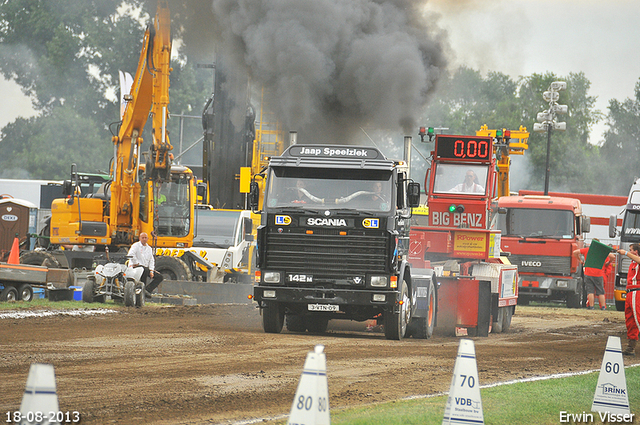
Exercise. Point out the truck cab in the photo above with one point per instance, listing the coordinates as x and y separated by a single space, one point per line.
334 239
477 290
540 233
629 234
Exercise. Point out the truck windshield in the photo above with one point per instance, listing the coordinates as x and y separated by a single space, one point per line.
536 223
216 228
631 226
462 178
311 189
174 207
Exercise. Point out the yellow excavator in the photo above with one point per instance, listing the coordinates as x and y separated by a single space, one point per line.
154 197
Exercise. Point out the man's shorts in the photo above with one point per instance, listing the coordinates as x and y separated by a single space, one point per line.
594 283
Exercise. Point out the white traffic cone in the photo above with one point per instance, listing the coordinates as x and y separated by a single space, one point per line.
311 403
40 396
611 392
464 405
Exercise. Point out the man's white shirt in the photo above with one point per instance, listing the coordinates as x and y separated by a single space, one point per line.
142 255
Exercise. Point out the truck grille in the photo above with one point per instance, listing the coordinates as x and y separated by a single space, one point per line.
327 254
542 264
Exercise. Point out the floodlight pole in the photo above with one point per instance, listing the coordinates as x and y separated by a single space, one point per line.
548 169
548 121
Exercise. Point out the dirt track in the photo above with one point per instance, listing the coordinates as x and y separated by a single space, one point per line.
213 364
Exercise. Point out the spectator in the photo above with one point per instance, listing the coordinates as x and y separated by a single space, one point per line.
593 279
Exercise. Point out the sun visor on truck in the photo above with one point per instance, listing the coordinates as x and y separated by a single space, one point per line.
596 255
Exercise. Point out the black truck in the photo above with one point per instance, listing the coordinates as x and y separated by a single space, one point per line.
333 243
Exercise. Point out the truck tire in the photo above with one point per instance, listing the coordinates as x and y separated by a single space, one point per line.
140 297
395 324
87 290
129 293
39 258
25 292
506 318
422 327
272 317
295 323
620 305
575 299
9 293
172 268
502 321
316 324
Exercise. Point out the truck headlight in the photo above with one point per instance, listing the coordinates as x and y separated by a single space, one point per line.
271 277
379 281
269 294
561 283
379 298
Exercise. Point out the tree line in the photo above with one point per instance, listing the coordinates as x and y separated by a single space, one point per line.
65 55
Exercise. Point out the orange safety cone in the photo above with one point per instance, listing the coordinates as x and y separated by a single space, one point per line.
14 256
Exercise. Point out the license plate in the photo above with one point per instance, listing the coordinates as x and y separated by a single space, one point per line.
323 307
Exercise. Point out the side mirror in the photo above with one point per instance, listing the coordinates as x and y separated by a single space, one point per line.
201 189
613 231
413 194
586 224
248 228
67 188
254 195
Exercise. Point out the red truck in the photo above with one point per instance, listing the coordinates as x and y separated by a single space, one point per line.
540 233
476 288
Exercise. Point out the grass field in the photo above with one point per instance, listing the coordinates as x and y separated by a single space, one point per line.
527 403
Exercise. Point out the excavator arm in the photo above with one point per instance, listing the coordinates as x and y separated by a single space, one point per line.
149 95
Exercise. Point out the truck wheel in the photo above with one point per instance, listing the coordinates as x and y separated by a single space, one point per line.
87 290
574 300
295 323
129 294
39 258
9 293
620 305
395 324
140 298
502 321
422 327
316 324
506 318
272 317
25 292
172 268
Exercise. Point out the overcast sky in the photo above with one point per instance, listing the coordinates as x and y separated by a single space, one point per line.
518 37
522 37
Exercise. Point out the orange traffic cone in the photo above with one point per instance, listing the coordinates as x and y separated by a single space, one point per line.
14 256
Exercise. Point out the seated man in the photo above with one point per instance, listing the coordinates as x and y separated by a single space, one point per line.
142 256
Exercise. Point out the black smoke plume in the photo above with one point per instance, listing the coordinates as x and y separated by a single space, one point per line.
333 66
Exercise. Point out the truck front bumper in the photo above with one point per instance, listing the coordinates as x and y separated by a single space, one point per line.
545 286
342 297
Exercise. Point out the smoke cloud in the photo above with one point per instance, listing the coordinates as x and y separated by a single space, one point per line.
334 66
